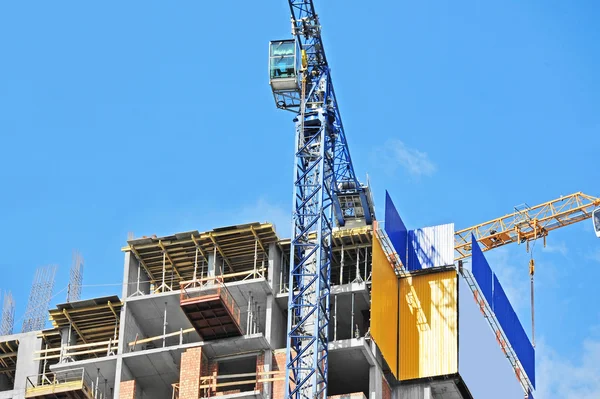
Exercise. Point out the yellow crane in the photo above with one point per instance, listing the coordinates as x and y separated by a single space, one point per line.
527 224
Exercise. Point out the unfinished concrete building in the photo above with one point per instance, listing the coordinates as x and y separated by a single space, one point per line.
203 314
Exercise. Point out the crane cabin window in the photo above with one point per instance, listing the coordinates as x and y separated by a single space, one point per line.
596 220
282 59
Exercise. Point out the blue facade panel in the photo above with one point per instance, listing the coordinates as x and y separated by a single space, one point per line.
514 330
481 271
395 229
414 260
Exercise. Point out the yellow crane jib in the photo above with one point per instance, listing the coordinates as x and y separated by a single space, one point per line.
526 224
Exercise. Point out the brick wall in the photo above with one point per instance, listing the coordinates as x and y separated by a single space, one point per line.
279 365
127 390
260 367
386 391
189 375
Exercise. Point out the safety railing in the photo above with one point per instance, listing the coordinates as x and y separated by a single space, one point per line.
170 285
390 253
215 385
73 352
207 288
50 383
168 339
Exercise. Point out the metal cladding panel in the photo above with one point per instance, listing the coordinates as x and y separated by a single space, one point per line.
395 228
414 262
514 330
481 362
384 306
481 270
428 325
431 247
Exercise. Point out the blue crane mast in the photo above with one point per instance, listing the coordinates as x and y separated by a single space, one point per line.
327 195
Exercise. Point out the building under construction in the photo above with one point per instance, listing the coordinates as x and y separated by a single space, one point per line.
348 307
204 314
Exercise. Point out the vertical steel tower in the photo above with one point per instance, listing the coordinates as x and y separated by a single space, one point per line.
326 192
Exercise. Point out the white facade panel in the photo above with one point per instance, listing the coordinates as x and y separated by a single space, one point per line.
481 363
431 247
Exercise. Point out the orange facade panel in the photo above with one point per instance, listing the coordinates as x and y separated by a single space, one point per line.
428 325
384 306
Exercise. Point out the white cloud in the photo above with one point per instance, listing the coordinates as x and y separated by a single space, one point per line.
560 377
417 163
559 248
594 255
264 210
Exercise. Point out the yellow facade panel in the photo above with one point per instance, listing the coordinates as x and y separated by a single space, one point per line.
428 325
384 307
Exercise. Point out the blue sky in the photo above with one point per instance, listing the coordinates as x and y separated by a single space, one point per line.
156 118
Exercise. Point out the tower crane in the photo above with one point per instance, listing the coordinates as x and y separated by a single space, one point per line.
327 194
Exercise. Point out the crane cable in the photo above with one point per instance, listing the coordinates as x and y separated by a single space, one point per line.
531 274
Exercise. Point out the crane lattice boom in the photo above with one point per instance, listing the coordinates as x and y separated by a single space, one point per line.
526 223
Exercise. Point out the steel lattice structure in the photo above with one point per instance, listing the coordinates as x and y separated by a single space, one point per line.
75 278
8 314
326 191
39 299
526 223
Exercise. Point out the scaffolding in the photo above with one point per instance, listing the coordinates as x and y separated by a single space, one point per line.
39 298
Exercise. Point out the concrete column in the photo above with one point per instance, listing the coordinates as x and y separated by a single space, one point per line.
130 277
274 267
275 325
123 374
26 366
68 337
375 382
214 265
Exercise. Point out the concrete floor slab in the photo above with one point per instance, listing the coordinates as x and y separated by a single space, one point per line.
104 368
349 365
